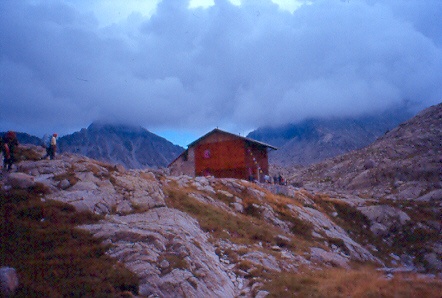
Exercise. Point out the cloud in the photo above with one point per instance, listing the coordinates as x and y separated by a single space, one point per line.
170 67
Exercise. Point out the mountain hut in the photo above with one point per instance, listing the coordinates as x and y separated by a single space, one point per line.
223 155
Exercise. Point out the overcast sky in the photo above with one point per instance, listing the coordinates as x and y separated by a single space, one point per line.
182 68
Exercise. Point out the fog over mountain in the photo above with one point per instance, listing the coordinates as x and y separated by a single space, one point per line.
315 139
403 164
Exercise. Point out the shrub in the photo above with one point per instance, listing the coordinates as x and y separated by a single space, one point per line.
253 210
25 153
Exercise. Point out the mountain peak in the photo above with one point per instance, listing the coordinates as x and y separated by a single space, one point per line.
130 145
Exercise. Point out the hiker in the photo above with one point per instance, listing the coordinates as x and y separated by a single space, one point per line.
51 146
9 142
251 178
267 179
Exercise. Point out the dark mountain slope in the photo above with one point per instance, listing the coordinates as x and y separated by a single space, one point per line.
406 163
131 146
314 140
24 138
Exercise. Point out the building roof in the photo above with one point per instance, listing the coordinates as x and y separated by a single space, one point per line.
216 130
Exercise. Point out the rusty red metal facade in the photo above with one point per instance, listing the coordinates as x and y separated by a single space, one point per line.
223 155
226 156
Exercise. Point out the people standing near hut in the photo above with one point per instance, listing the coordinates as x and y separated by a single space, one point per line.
267 179
51 148
9 143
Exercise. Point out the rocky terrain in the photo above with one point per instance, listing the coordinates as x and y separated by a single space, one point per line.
314 140
207 237
404 164
131 146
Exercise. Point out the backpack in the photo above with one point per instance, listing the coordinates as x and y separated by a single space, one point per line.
46 141
10 136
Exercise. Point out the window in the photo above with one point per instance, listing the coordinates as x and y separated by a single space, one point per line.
207 153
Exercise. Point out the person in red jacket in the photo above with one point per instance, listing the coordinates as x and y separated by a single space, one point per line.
9 143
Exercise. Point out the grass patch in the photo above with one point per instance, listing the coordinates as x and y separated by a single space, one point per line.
174 262
355 223
239 228
69 176
413 239
24 153
364 282
52 257
224 198
253 210
299 227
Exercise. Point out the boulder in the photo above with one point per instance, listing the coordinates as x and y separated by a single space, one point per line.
323 225
237 207
369 164
435 195
64 184
384 216
168 250
434 261
20 180
8 281
323 256
259 258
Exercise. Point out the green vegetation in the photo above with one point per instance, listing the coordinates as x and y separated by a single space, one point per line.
52 257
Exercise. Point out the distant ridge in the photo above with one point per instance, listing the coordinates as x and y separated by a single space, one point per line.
314 140
132 146
405 163
24 138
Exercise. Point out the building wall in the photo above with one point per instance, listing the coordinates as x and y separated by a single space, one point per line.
256 161
220 157
223 156
184 165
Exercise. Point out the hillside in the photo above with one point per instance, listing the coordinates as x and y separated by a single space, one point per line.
314 140
24 138
208 237
403 164
131 146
